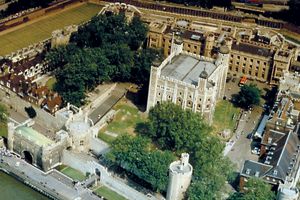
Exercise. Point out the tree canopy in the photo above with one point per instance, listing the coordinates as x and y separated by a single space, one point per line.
256 189
248 96
105 49
136 156
178 130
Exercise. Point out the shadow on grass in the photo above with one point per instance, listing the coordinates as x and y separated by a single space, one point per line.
142 128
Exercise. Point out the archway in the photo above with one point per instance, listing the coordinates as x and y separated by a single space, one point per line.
27 156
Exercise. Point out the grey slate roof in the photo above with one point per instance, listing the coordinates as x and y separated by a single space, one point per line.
286 152
251 49
187 69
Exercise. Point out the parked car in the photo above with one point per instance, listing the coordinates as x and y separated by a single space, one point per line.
255 151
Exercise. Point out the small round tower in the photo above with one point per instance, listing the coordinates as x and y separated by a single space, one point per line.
180 176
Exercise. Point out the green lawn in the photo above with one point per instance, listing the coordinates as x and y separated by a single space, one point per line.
50 83
108 194
125 120
3 130
72 173
106 138
42 29
225 116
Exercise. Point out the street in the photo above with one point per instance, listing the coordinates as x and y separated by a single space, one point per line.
238 149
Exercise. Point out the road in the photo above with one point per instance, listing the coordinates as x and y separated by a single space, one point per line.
44 181
239 149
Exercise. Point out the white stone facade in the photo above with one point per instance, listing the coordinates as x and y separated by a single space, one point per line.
176 80
180 176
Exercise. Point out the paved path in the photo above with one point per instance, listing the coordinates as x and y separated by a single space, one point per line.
44 181
241 148
107 104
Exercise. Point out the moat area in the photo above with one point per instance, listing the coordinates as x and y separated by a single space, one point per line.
10 188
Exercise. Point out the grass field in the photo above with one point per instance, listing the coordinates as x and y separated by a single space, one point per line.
225 116
72 173
108 194
106 138
42 29
126 119
3 130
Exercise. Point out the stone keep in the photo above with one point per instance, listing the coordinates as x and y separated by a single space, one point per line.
180 176
191 81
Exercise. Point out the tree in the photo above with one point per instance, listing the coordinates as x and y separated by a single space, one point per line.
248 96
256 189
175 129
135 155
105 49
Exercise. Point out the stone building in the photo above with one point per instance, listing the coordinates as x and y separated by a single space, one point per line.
192 81
180 176
36 148
161 35
257 53
250 60
279 165
281 62
45 152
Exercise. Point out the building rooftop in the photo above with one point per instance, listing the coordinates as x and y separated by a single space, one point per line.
33 136
187 69
290 84
79 127
251 49
280 160
185 34
179 167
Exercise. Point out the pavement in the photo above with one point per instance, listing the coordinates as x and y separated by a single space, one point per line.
113 97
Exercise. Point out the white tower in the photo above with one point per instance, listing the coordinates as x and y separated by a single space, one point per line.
222 62
180 176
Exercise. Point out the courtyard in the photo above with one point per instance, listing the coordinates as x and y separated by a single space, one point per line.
42 29
126 118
